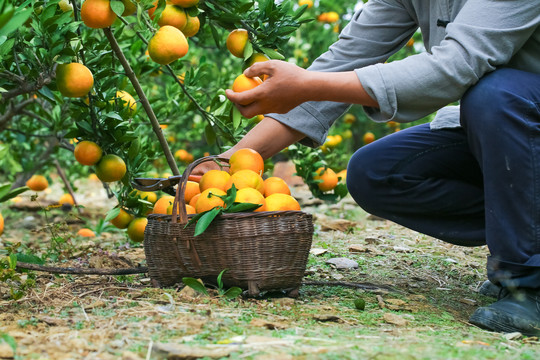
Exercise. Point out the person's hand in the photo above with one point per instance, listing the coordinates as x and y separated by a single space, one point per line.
284 89
199 170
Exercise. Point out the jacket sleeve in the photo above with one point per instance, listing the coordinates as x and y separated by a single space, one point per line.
486 34
376 31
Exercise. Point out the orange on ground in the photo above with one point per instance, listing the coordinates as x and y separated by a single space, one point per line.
194 199
368 137
1 224
246 179
244 83
237 41
66 199
174 16
192 189
281 202
192 26
214 179
183 155
167 45
136 228
246 158
85 232
87 152
275 185
328 177
208 199
127 101
122 220
190 210
111 168
252 196
162 205
37 183
185 3
342 175
97 14
74 79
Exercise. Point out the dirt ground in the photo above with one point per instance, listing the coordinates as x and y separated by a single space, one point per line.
418 294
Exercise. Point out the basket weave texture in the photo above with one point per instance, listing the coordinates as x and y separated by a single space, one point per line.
261 250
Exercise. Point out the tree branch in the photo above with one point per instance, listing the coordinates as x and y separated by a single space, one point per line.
82 271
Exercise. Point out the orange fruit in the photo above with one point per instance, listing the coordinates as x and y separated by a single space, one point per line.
74 79
185 3
214 179
192 189
183 155
87 152
135 229
147 195
244 83
342 175
208 199
281 202
349 118
93 177
237 41
192 27
332 16
309 3
167 45
328 177
122 220
246 179
410 43
37 183
111 168
194 199
323 17
190 210
174 16
255 58
97 14
246 158
65 6
127 101
1 224
66 199
252 196
275 185
368 137
85 232
162 204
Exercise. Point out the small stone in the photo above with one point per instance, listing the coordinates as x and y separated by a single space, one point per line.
360 304
395 319
318 251
6 352
343 263
513 336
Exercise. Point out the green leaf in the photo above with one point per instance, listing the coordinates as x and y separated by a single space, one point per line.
118 7
16 21
232 292
11 194
219 281
12 260
111 214
195 285
230 197
273 54
206 220
5 16
242 207
30 259
210 134
8 339
236 117
248 50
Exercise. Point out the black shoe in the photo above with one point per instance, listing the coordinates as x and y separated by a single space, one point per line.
489 289
516 311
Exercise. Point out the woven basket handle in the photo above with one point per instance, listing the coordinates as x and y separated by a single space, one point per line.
179 205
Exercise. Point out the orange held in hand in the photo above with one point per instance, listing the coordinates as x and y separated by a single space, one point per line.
87 153
97 14
246 159
74 80
328 177
167 45
244 83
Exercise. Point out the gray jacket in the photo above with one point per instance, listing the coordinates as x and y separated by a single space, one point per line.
464 39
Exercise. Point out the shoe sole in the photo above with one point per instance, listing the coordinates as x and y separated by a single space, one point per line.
481 319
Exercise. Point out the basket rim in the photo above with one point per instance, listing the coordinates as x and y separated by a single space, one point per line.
239 214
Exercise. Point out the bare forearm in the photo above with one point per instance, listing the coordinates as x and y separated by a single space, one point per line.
340 87
268 138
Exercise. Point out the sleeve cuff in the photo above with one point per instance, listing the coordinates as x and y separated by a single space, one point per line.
374 83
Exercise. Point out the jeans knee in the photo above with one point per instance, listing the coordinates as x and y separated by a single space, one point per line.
360 180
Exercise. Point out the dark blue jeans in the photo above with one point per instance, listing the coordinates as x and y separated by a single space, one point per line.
474 185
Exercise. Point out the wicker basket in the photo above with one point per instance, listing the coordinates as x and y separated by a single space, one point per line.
261 251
